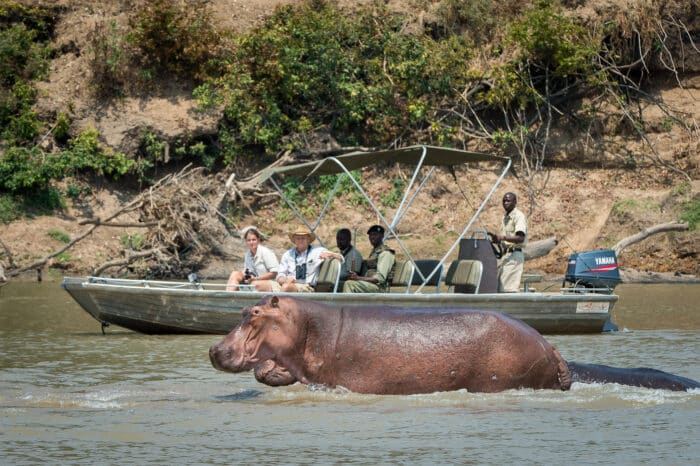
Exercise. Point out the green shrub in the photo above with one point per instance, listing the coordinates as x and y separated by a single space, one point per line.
173 36
691 213
61 131
87 153
19 124
45 200
109 59
59 235
25 170
547 40
9 209
24 32
132 241
313 65
36 18
393 197
22 56
327 182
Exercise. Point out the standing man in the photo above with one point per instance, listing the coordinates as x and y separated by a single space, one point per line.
300 265
512 241
353 258
376 269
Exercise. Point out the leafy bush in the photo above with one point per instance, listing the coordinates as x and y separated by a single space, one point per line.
313 66
549 43
109 59
173 36
691 213
393 197
37 18
45 200
62 127
134 241
86 153
9 209
24 32
25 170
59 235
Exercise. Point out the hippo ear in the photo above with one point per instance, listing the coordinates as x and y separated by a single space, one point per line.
274 302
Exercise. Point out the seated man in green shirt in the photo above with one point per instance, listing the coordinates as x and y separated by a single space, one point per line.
376 269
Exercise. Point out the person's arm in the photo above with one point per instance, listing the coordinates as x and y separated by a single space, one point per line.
355 261
286 268
326 254
518 237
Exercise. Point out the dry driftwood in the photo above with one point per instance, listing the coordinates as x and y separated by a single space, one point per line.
647 232
181 227
540 248
37 265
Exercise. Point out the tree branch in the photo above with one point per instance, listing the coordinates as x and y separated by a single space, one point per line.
647 232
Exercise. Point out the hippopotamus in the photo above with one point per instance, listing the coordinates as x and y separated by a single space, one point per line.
391 350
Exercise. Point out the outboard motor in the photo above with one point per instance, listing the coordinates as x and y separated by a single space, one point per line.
593 269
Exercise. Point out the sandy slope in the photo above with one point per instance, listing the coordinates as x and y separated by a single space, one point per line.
575 205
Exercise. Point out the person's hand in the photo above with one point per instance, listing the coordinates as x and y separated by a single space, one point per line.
352 275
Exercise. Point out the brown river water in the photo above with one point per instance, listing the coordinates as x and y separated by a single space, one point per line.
70 395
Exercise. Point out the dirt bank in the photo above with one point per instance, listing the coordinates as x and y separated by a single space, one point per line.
584 208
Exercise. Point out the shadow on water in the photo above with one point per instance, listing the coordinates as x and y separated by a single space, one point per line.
243 395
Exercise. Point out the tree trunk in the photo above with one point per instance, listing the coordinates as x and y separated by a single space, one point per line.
647 232
540 248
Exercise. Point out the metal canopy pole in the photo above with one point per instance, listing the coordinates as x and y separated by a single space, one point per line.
471 221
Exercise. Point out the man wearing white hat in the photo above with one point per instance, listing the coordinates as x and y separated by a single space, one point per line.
300 265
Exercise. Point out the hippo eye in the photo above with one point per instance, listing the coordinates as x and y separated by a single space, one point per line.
256 312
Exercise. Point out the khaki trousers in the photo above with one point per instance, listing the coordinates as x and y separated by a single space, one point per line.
510 270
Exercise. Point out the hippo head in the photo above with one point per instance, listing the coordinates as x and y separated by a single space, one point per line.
265 339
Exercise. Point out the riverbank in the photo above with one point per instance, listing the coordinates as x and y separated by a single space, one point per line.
598 186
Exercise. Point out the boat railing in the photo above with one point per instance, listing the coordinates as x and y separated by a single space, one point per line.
156 283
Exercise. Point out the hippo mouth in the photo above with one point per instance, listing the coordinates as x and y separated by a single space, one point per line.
237 357
273 374
223 359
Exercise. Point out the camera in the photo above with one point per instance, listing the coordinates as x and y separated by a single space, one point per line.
247 275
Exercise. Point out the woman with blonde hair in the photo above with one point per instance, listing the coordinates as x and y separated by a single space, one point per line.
261 264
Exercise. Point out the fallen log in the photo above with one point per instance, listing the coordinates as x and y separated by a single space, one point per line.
647 232
638 276
539 248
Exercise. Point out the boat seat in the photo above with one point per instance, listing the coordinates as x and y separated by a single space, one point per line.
465 272
328 276
426 266
403 275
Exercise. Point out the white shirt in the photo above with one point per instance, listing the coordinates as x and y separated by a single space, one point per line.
310 257
264 261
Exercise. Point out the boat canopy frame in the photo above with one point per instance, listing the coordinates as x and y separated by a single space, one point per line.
419 156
